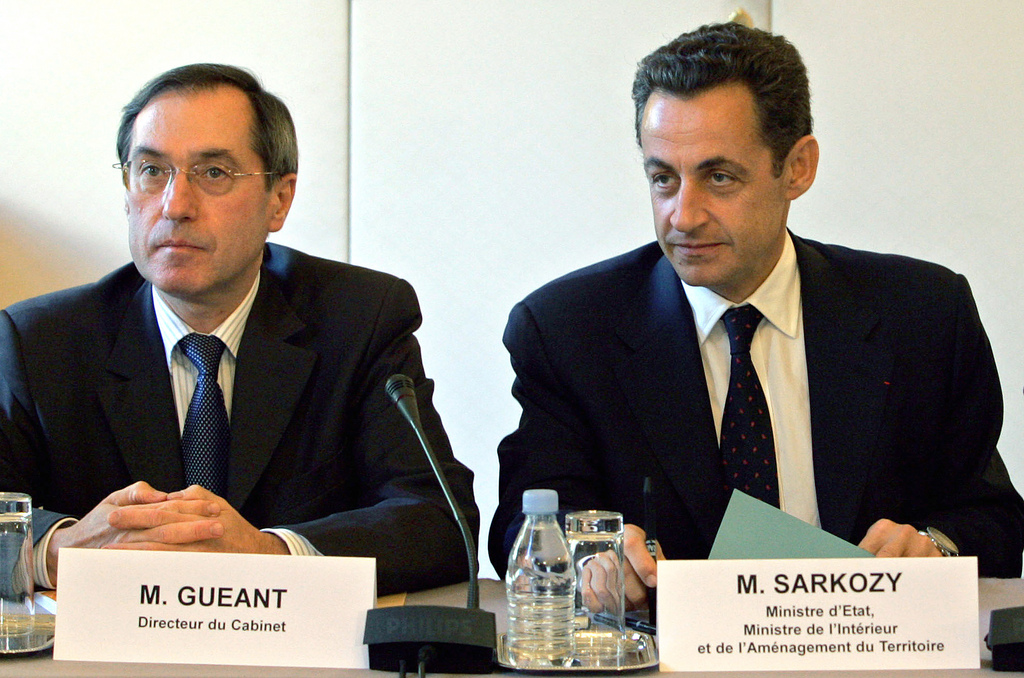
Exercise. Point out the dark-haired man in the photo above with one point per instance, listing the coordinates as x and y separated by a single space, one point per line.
220 393
857 391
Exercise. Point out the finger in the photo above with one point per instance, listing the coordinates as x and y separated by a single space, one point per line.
140 492
586 592
634 548
887 539
157 546
194 507
908 544
140 546
149 516
877 536
636 589
176 533
193 492
595 594
613 581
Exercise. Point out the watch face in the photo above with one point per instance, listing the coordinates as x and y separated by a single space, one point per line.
944 543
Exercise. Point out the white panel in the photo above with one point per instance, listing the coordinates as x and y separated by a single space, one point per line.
492 151
67 68
917 108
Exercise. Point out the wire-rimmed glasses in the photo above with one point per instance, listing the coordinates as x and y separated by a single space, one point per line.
152 177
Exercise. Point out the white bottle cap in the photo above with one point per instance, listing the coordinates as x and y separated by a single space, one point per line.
540 501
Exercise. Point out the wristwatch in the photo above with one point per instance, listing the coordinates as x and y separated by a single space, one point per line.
943 543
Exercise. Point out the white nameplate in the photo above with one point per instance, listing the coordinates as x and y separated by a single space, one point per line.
818 614
213 608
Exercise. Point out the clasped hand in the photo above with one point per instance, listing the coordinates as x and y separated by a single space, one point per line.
144 518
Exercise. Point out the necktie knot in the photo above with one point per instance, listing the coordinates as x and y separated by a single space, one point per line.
204 350
740 324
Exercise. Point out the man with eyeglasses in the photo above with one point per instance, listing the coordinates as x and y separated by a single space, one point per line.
221 393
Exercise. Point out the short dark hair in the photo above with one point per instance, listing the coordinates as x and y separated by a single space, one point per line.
720 54
273 133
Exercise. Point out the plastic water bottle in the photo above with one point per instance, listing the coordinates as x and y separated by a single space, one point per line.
541 588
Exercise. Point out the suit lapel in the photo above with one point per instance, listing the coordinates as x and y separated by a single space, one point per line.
848 378
137 400
663 380
270 378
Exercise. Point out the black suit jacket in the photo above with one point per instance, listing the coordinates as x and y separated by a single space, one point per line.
316 446
905 402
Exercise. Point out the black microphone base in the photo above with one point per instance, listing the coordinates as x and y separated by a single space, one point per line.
463 640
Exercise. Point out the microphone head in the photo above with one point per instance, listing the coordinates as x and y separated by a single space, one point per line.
399 386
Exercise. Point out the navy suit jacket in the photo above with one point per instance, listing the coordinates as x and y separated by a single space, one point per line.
86 408
905 402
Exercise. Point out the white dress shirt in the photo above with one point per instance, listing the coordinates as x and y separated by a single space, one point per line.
777 351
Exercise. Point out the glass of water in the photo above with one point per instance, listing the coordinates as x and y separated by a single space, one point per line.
595 543
17 608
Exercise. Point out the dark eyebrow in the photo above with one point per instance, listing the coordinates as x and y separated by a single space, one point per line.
209 154
146 150
655 163
218 154
721 162
717 162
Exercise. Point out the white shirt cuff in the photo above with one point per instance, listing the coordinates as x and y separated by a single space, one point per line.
296 543
40 574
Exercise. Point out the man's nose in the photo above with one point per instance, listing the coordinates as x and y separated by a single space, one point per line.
689 210
179 196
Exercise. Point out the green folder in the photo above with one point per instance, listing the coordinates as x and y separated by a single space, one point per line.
753 529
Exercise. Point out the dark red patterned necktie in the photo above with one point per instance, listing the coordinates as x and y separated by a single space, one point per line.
747 444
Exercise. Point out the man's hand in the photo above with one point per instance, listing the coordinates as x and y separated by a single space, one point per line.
887 539
601 571
141 517
193 519
598 584
95 530
641 568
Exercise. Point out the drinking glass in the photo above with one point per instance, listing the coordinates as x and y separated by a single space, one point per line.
595 543
17 608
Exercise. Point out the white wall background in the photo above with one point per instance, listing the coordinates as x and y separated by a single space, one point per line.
67 68
492 149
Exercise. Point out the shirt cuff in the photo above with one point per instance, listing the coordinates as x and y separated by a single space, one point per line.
296 543
40 573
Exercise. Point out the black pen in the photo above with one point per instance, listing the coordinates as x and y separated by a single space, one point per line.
651 539
650 519
635 624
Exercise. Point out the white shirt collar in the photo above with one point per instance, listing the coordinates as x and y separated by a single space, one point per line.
778 298
173 328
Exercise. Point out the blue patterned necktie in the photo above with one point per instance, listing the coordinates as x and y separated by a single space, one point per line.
747 444
206 436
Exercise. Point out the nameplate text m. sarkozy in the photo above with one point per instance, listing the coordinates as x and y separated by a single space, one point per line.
817 614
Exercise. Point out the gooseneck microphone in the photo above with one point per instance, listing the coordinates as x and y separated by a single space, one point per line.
443 639
399 388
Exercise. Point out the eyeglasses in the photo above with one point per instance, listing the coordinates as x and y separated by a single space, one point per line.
151 177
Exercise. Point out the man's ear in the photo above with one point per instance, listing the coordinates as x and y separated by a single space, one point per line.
801 166
283 194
